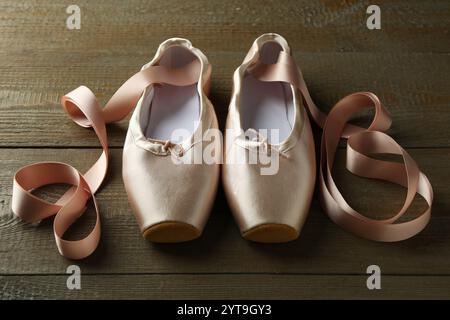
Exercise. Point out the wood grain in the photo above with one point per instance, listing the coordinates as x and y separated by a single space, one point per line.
406 63
109 27
241 286
322 247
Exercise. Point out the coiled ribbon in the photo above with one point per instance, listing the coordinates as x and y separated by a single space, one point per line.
84 109
362 145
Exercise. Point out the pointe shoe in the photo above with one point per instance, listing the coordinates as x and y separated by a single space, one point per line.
268 207
170 199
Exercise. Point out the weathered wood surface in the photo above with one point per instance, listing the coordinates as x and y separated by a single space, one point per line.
406 63
236 286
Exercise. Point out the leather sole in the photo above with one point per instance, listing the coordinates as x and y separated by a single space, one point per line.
171 232
271 233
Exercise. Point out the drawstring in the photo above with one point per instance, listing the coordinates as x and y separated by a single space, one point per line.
176 150
258 142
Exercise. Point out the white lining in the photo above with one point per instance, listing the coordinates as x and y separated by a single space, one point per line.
167 108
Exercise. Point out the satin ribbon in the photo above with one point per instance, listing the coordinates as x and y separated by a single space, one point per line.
362 145
84 109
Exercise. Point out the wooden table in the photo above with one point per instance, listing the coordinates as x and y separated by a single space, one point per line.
406 63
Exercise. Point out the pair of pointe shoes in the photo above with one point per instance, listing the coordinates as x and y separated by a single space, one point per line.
268 158
172 202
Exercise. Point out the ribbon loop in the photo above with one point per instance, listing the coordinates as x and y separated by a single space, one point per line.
84 109
361 144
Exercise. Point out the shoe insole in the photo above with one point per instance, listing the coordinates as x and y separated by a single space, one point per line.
267 105
173 108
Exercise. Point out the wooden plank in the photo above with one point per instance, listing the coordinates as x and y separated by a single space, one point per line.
239 286
113 26
413 87
407 64
322 247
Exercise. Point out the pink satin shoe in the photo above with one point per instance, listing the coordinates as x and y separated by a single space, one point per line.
267 118
171 199
270 94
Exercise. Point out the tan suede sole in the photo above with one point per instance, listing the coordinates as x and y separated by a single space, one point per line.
171 232
271 233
